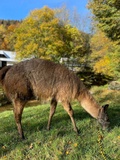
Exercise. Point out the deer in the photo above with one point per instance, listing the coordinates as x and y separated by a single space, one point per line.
46 79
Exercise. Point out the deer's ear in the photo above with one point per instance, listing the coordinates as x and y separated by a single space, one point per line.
105 107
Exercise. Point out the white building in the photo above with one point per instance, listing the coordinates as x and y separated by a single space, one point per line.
7 58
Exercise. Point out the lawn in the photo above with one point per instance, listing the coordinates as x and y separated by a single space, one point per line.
61 142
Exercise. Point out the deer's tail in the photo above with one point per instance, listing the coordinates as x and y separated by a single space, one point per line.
3 72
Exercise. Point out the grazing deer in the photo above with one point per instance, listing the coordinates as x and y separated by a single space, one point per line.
44 79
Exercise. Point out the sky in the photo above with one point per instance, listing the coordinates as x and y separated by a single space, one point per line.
20 9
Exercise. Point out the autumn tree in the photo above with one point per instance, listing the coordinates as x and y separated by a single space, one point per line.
6 31
2 37
38 35
105 57
75 42
41 34
107 15
105 41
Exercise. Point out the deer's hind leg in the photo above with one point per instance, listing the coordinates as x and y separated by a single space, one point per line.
18 109
52 111
69 110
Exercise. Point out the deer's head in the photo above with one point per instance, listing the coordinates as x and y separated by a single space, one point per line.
103 117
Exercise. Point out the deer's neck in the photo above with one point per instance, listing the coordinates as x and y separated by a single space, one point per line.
88 103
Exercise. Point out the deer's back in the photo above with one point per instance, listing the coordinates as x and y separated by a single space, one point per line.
43 79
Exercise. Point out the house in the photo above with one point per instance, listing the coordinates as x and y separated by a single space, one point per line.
7 58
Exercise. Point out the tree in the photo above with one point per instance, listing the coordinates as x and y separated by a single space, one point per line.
105 57
38 35
73 18
107 14
75 42
41 34
6 31
2 37
63 14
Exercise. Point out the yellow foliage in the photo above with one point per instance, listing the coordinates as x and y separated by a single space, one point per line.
2 29
11 28
103 54
103 66
41 34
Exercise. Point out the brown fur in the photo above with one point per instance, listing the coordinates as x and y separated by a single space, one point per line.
3 72
45 79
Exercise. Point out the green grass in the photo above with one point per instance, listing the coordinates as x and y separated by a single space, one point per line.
61 143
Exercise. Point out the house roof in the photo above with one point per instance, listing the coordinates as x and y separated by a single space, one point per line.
9 56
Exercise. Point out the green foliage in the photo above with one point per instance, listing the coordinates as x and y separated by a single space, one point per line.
115 58
107 14
61 143
75 41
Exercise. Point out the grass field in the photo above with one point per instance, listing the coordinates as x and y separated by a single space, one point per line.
61 143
